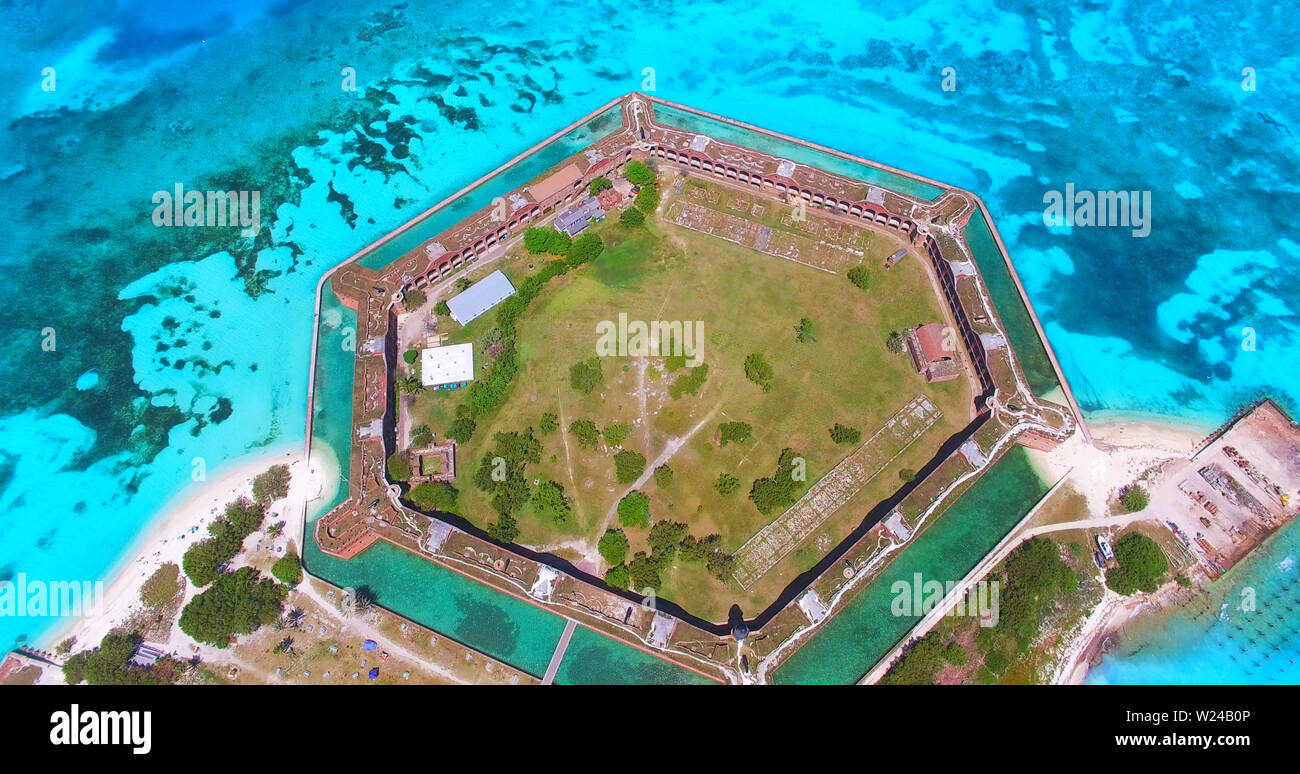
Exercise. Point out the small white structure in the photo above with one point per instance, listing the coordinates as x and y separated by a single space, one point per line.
447 367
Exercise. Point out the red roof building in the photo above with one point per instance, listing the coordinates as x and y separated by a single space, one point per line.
609 199
934 351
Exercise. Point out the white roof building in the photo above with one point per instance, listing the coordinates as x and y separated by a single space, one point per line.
447 365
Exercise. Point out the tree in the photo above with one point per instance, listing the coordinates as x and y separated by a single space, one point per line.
1135 498
586 375
780 490
462 429
663 476
644 572
631 218
759 371
1142 565
203 560
504 529
288 569
237 603
637 173
647 200
421 436
845 434
615 435
628 466
599 184
860 276
271 485
726 484
804 332
399 468
435 496
896 343
414 298
584 249
549 499
734 431
410 356
585 431
634 510
613 546
442 308
462 284
618 577
907 475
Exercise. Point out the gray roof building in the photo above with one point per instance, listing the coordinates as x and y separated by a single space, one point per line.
573 220
480 297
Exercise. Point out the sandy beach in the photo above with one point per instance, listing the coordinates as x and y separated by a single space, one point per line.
180 526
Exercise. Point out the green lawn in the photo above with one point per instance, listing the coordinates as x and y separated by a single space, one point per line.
748 302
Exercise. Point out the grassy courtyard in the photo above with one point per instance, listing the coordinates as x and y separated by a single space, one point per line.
747 303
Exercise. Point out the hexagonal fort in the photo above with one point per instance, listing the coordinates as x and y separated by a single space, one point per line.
686 385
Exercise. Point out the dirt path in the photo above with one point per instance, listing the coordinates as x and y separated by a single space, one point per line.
669 450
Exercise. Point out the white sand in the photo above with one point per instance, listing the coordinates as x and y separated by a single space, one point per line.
1124 452
163 544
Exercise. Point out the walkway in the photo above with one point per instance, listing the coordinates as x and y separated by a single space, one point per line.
558 655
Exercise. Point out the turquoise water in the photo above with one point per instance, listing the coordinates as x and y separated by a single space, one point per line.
862 632
481 617
594 659
1016 321
1220 639
177 345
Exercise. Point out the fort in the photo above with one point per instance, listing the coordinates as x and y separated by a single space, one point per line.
821 210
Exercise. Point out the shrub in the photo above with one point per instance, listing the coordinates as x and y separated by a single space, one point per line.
399 468
690 382
442 309
162 587
907 475
584 376
735 431
1135 498
288 569
584 249
726 484
663 476
759 371
634 510
585 431
896 343
845 434
414 298
410 356
860 276
271 485
804 332
549 423
780 490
